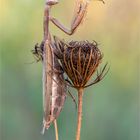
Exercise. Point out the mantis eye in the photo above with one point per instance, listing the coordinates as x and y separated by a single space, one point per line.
52 2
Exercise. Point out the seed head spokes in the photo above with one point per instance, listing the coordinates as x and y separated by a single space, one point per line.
80 60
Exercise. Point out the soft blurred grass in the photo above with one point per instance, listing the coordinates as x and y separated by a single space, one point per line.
110 110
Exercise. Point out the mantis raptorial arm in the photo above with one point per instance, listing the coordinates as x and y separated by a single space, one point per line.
78 8
78 17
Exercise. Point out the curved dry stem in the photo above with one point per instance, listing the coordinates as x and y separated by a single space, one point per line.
79 117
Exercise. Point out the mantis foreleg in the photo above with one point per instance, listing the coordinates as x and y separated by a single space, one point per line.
78 17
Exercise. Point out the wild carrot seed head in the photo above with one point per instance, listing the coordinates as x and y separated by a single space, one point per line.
80 60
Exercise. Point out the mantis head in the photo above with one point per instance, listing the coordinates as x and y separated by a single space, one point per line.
51 2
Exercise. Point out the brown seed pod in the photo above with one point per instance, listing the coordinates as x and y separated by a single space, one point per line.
80 60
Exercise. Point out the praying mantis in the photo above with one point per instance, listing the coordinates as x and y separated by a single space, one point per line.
53 88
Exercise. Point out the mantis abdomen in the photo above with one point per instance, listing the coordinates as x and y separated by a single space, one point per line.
58 94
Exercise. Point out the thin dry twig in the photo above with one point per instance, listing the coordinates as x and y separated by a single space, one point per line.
56 130
79 117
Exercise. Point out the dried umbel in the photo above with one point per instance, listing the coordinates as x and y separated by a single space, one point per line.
80 60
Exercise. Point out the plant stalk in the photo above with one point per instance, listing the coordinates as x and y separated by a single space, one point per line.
79 116
56 130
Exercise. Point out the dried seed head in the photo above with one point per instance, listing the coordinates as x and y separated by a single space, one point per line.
80 60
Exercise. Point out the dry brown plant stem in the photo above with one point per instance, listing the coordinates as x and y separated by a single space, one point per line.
79 116
56 130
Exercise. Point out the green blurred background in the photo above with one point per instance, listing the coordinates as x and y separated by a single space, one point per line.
110 109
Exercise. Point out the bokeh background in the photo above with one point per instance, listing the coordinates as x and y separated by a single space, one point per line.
110 109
